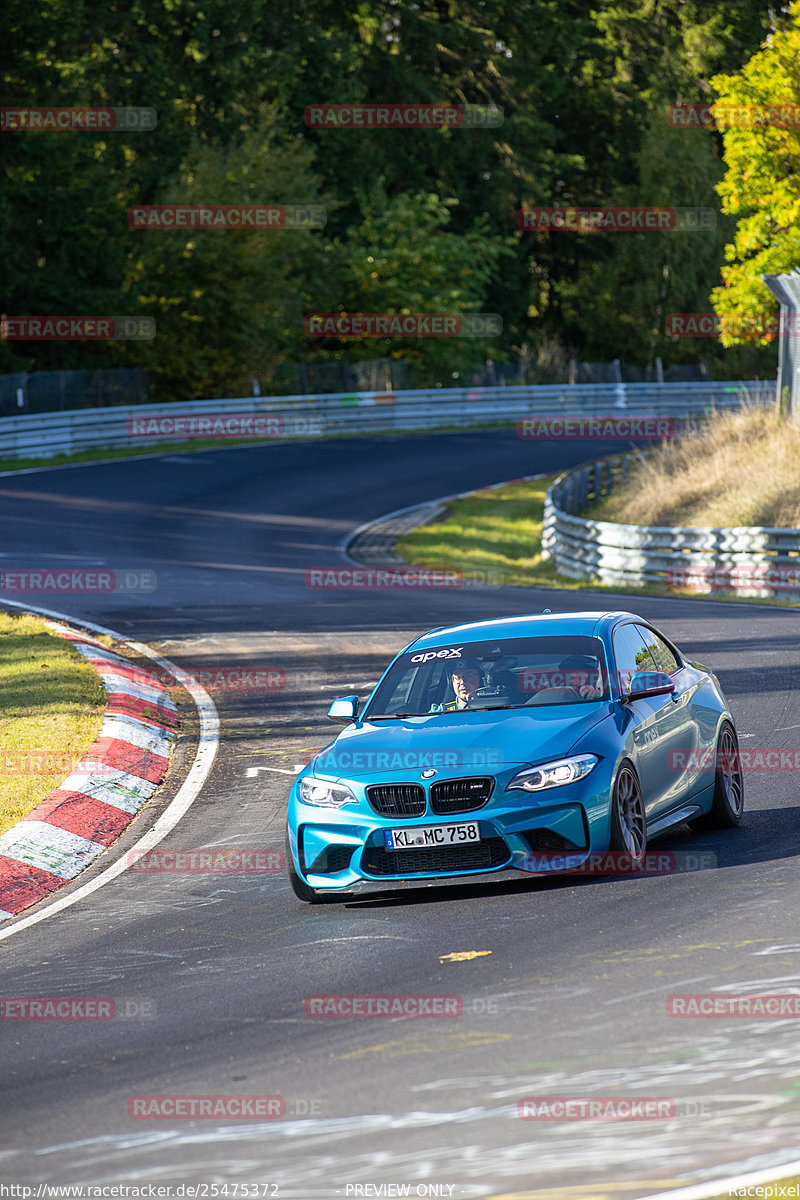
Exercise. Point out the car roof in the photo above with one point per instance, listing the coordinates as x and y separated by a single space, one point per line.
526 625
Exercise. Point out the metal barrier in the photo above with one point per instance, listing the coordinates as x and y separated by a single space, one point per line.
144 425
744 560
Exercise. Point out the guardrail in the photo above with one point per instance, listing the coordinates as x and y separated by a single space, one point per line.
751 561
48 434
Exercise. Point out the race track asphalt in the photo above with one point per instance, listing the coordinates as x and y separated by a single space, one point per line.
567 996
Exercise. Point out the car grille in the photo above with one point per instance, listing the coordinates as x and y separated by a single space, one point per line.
397 799
478 856
460 795
335 858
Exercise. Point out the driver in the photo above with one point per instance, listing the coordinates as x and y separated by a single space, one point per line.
465 679
583 675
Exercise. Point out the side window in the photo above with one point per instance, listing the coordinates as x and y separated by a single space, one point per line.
661 654
631 654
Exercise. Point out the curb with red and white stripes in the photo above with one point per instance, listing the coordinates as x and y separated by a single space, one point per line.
72 826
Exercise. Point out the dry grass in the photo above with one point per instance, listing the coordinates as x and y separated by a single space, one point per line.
738 468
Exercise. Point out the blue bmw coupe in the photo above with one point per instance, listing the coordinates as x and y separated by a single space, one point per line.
515 746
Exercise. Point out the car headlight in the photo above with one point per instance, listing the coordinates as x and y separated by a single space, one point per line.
553 774
324 794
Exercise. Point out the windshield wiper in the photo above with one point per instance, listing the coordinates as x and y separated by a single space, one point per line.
394 716
493 708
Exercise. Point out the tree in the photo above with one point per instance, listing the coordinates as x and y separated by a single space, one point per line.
64 238
229 302
760 186
582 91
608 294
403 258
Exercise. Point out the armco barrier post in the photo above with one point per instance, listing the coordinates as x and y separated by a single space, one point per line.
786 290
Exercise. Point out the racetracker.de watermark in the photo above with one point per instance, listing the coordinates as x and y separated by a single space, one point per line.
708 324
75 581
231 679
400 325
597 1108
61 765
531 680
733 116
227 216
224 425
77 329
393 1191
75 1008
341 761
393 1005
403 116
744 758
616 219
705 1004
77 120
596 428
41 762
617 862
237 1108
217 860
398 579
710 577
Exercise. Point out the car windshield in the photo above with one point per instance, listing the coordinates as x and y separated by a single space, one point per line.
504 673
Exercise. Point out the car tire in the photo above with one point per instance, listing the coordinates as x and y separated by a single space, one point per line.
727 805
628 819
298 885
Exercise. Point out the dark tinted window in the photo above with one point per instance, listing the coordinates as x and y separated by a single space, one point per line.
660 652
631 654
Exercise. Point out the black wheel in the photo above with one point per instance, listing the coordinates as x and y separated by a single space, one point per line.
298 885
628 821
727 806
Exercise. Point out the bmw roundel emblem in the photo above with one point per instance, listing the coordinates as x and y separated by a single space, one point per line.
428 773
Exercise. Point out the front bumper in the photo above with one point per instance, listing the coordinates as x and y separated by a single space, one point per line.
365 886
343 851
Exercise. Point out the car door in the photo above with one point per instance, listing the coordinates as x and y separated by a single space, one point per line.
677 727
648 717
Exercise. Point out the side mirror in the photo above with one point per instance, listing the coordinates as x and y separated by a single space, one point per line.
344 710
649 683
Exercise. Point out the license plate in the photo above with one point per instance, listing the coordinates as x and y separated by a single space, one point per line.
431 835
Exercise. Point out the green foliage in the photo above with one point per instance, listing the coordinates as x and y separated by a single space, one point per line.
663 53
417 221
402 258
761 183
229 302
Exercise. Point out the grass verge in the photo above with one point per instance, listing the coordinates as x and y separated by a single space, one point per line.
497 528
501 529
51 709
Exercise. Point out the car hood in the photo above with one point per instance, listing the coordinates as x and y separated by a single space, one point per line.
486 741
